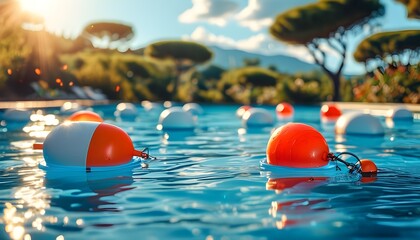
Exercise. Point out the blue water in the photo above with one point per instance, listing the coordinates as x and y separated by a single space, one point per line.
207 184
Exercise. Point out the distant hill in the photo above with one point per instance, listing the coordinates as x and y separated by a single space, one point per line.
235 58
229 58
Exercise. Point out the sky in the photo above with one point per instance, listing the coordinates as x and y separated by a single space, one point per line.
230 24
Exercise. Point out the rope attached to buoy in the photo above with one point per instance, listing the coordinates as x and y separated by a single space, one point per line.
353 167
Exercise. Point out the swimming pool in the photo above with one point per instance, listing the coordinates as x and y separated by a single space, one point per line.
207 184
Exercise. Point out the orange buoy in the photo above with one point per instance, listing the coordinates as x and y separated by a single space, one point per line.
241 110
330 112
85 115
368 166
369 171
284 110
88 144
297 145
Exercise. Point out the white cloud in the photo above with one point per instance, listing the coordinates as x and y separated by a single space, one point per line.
215 12
259 14
260 43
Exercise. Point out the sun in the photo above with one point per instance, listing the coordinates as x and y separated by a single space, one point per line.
39 7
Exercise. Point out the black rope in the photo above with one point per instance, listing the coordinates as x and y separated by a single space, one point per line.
353 167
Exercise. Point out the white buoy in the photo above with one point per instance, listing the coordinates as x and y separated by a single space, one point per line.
176 118
400 117
359 124
194 108
257 117
151 106
400 113
126 111
16 115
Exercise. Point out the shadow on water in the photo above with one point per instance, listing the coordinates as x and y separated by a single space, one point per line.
87 191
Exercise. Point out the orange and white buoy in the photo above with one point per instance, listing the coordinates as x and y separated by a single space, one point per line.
87 145
85 115
297 145
285 111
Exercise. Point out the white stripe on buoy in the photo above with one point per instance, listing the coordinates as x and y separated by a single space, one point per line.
75 138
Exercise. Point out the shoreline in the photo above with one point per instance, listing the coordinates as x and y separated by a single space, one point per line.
87 102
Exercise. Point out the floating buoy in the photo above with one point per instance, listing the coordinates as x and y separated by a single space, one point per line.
330 112
284 111
257 117
194 108
368 166
151 106
175 118
369 170
358 124
126 111
241 110
85 115
16 115
297 145
87 145
69 108
400 113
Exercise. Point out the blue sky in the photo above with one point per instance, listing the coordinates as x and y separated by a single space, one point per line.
231 24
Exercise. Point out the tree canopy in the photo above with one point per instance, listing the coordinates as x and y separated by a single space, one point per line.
321 19
110 34
385 44
326 22
180 51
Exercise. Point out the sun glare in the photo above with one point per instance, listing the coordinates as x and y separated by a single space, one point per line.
39 7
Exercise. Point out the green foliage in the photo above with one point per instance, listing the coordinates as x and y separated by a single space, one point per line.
396 84
326 21
413 8
185 53
307 88
319 20
139 78
387 44
249 85
112 34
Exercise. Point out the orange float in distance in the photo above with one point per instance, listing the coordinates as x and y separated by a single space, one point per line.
85 116
297 145
284 110
88 144
369 171
241 110
330 111
368 166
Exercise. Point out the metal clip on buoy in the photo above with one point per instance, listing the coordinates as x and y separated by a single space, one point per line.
144 155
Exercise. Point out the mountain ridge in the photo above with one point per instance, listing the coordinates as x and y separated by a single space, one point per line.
231 58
